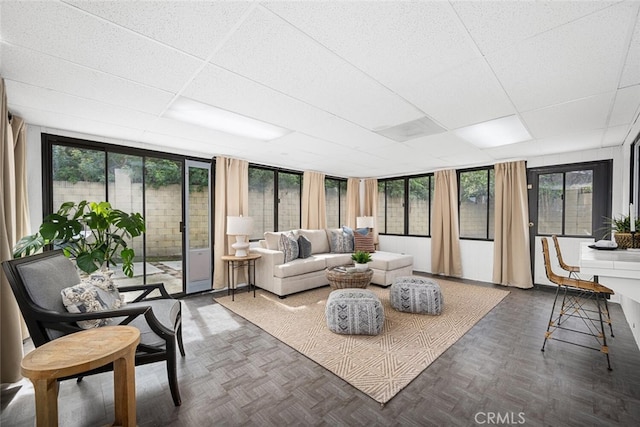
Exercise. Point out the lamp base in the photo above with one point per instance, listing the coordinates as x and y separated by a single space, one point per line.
241 246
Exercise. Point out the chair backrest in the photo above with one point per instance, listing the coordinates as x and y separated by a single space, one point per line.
36 282
554 278
563 265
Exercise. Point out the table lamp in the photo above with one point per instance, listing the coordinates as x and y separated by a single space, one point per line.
241 227
365 222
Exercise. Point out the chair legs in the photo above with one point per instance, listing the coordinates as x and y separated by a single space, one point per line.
172 374
575 304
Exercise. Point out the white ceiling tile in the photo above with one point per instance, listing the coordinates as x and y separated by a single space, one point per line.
462 96
554 145
631 71
58 120
626 106
232 92
270 51
440 146
576 60
24 65
195 27
570 117
615 136
46 27
22 95
399 43
495 25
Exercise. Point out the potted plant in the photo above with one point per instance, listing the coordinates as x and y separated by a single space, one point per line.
92 233
361 260
621 227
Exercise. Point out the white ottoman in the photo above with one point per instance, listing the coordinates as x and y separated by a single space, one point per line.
414 294
353 311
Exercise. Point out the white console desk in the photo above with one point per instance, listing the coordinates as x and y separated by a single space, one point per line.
618 270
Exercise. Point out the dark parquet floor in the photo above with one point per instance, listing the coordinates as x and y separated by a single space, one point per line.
235 374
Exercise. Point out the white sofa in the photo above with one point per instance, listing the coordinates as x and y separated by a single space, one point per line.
300 274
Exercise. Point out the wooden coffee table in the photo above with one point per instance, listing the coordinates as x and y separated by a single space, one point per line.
339 278
81 352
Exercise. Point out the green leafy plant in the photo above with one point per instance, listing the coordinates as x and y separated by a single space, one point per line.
361 257
91 233
622 224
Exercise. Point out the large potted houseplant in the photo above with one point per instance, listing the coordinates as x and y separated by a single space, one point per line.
361 260
621 227
93 234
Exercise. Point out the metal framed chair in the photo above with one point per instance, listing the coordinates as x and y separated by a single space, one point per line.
579 296
37 282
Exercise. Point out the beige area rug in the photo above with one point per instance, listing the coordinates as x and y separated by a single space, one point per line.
381 365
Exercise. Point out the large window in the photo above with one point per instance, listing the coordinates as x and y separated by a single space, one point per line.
404 205
268 210
476 198
571 200
420 198
131 180
336 198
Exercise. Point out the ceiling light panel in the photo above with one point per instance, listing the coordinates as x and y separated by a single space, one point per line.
494 133
190 111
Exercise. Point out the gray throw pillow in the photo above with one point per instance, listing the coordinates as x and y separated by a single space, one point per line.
95 293
289 245
304 247
340 242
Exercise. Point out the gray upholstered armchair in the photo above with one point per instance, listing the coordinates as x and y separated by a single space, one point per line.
37 282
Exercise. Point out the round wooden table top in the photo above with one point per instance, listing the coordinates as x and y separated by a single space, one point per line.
80 352
249 257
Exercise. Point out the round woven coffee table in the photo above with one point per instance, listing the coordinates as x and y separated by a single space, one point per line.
339 278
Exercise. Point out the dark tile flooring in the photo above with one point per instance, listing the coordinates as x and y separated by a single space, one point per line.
236 374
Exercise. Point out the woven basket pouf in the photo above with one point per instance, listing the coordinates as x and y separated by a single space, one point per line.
354 311
414 294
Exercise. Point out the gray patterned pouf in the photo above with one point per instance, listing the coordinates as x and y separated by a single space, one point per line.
416 295
353 311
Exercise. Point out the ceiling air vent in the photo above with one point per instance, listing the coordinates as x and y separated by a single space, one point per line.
411 130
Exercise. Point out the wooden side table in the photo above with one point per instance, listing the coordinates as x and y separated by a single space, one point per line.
81 352
234 263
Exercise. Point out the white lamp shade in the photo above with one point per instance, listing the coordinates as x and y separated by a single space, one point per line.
365 222
239 225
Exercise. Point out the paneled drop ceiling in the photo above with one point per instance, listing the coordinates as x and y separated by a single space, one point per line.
339 76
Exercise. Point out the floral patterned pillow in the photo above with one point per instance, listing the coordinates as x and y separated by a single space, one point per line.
95 293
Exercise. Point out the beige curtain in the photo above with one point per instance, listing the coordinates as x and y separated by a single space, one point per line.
445 235
231 199
14 223
370 207
511 257
314 205
353 201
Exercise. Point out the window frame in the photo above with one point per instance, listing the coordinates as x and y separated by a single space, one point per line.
405 204
490 200
601 201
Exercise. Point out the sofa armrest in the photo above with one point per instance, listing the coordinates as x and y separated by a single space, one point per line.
265 266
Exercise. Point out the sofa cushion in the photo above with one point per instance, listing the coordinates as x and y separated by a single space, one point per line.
388 261
288 244
304 247
299 266
334 260
363 243
272 238
318 239
339 241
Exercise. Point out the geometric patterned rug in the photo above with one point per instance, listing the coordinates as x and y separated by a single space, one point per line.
379 366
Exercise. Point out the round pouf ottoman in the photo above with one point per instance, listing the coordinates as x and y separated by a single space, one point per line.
414 294
353 311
